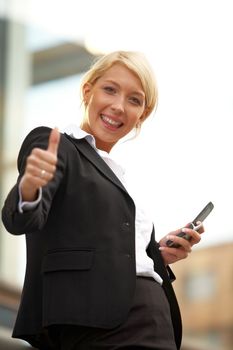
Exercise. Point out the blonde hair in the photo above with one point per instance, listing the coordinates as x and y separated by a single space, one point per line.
134 61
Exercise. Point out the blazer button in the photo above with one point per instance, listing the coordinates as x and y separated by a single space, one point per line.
126 225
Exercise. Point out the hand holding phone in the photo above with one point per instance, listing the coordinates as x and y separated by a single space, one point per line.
193 225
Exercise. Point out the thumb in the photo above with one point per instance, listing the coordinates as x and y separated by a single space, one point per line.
54 139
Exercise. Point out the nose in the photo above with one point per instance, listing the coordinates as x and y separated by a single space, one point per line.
118 105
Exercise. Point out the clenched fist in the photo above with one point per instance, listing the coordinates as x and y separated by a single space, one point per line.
40 167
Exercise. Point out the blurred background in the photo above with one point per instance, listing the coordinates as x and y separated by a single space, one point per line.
180 161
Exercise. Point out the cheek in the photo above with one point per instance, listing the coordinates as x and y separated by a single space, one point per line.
91 106
96 101
136 116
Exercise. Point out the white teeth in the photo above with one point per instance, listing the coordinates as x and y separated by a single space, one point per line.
110 121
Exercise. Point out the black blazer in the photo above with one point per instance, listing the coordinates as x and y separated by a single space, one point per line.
80 244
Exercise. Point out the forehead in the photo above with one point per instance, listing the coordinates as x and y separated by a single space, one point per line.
122 76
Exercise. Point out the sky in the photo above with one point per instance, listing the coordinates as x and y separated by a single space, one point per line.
182 159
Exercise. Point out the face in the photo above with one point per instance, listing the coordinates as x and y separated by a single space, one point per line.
115 103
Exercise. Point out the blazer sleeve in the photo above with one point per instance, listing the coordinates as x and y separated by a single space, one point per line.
29 221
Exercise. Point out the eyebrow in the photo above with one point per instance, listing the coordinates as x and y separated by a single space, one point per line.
140 93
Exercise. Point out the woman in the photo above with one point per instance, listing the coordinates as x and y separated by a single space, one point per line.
95 276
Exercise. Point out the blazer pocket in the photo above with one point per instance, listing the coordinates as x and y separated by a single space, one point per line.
68 260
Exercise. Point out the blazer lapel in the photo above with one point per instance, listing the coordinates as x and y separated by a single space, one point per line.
88 151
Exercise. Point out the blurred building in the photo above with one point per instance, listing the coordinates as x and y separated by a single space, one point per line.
204 287
34 67
38 75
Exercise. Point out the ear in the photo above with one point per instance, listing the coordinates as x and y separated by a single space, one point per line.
86 92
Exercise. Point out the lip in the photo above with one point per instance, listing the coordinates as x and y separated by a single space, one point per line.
110 122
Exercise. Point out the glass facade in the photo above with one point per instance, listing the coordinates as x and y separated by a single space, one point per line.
28 101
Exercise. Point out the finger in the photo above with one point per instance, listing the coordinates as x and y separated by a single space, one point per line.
54 139
195 236
179 243
45 162
199 228
37 176
171 255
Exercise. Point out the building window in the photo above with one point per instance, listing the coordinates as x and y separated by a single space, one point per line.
200 285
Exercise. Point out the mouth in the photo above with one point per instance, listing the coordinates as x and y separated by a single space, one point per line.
110 123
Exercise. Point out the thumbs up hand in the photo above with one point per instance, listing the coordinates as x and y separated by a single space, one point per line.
40 167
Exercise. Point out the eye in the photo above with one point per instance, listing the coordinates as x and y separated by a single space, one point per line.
135 101
109 89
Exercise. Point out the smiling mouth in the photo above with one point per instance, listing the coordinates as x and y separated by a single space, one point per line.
113 124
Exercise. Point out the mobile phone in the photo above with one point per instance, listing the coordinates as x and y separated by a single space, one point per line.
194 225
